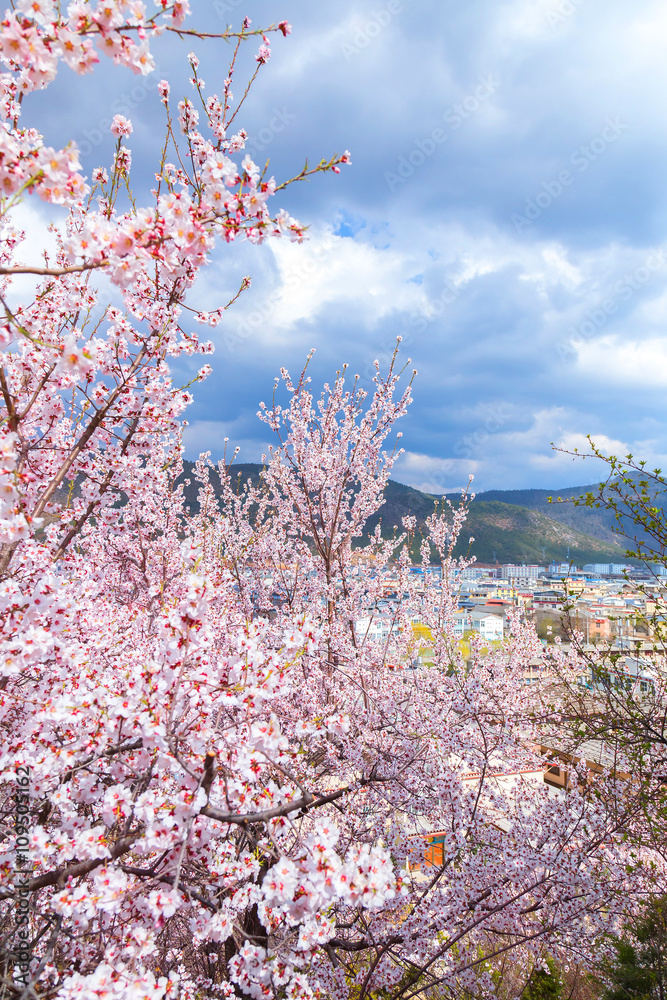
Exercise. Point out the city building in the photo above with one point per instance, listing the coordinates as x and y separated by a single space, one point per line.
511 571
377 627
489 626
605 569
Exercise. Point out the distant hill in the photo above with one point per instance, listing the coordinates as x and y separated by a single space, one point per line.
515 531
509 533
505 531
597 523
244 470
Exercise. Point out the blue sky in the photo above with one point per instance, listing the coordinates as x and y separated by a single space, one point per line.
505 212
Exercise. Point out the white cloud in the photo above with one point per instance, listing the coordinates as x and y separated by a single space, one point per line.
556 259
629 362
530 19
209 435
646 38
562 455
434 475
29 218
300 282
331 269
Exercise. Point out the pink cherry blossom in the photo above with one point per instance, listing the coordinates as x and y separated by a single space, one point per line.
224 774
121 126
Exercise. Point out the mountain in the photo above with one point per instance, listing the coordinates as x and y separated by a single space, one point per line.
599 523
591 521
503 531
508 533
242 470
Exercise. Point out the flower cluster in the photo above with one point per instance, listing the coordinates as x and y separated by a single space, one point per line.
231 787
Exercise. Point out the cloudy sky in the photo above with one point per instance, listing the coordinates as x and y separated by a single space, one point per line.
505 213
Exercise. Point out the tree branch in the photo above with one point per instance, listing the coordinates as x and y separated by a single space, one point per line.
54 272
61 875
305 803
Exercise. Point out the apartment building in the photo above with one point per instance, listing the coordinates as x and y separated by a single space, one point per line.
510 571
488 625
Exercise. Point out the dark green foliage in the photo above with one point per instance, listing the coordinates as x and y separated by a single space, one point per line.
629 978
543 984
639 969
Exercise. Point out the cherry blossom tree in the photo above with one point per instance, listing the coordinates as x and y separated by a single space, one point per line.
215 781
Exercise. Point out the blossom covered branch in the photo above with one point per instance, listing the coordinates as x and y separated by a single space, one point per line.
228 782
